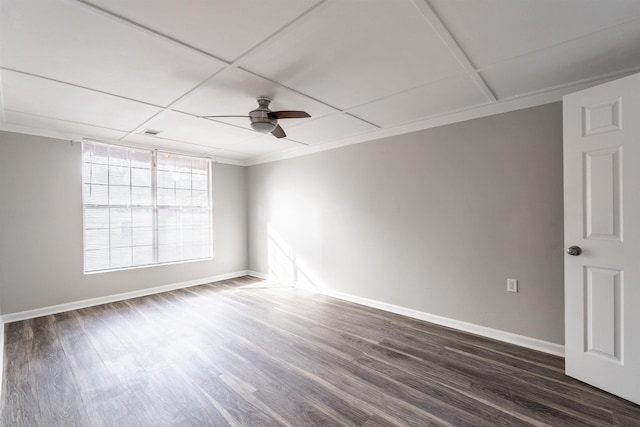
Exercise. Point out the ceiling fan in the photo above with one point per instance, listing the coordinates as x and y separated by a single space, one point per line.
263 120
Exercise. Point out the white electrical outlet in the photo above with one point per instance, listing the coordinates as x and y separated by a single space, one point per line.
512 285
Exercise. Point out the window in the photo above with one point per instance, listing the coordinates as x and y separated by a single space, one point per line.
144 207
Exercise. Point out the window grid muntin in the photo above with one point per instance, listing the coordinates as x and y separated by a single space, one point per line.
206 243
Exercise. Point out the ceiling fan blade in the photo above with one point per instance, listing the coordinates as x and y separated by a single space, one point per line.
289 114
219 117
278 132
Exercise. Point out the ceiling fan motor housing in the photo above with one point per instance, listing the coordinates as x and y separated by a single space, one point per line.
261 119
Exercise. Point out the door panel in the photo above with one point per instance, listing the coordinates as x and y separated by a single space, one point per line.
603 321
602 194
602 216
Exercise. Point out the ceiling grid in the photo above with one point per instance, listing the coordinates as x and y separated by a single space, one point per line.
109 69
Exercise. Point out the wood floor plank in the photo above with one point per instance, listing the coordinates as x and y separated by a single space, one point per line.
602 415
498 383
53 378
345 376
496 417
109 399
277 388
247 352
21 405
285 391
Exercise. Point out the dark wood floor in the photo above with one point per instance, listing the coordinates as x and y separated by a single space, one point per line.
245 353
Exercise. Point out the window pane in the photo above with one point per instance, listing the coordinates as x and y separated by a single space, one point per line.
186 234
165 162
143 255
165 179
119 175
96 260
120 218
142 236
166 197
142 217
200 198
96 239
167 217
120 228
199 182
183 198
141 177
167 236
140 158
95 194
201 217
141 196
183 164
119 156
121 257
200 166
167 253
96 218
120 237
119 195
95 173
182 180
200 234
96 153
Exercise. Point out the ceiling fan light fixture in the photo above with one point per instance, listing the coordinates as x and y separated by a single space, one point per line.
263 120
263 127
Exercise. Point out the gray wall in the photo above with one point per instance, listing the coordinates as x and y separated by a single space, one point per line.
435 221
41 229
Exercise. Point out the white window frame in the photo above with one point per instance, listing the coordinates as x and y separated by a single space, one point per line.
154 207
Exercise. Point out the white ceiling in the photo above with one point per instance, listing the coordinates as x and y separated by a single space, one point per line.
109 69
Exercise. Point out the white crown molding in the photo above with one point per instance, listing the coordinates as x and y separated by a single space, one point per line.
227 161
45 311
46 133
496 334
506 105
519 102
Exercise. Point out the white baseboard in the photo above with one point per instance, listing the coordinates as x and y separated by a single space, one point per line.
521 340
258 275
45 311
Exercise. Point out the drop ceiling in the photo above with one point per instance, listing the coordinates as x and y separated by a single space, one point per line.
111 69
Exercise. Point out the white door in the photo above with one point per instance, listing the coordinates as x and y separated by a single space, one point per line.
602 217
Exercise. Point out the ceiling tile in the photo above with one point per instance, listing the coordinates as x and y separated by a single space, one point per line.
64 128
46 98
200 24
230 155
321 130
427 101
235 91
71 42
609 51
182 127
347 53
264 144
495 30
165 144
108 69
